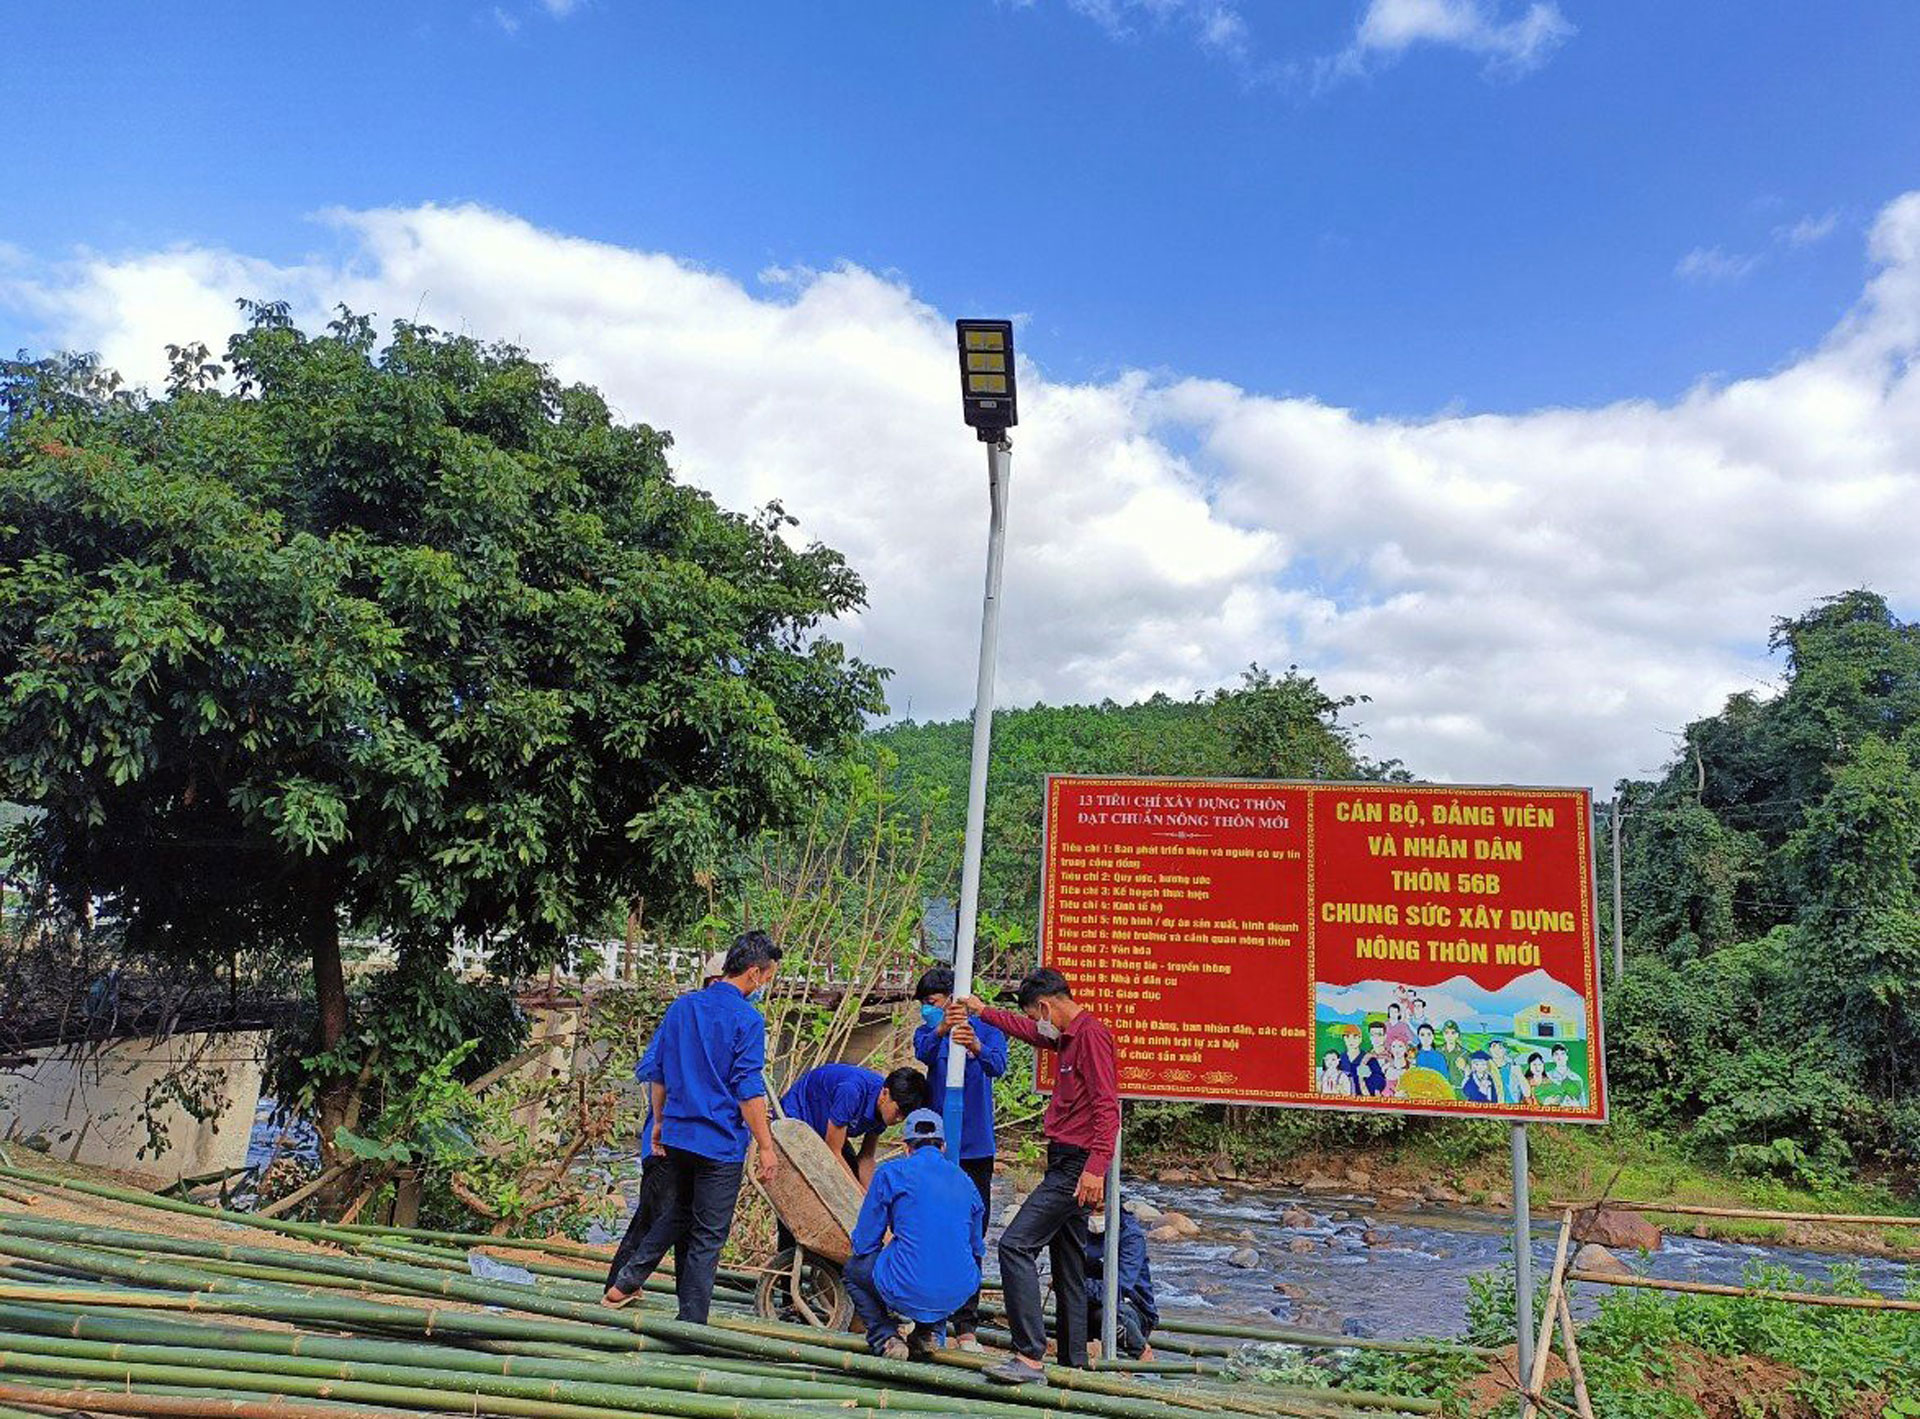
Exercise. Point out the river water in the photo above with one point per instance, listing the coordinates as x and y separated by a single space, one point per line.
1413 1280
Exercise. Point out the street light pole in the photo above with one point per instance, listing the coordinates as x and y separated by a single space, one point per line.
999 479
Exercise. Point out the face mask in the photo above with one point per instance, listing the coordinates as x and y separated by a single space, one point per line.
757 996
932 1015
1048 1030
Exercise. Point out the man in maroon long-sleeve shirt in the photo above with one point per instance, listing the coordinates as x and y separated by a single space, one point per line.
1082 1126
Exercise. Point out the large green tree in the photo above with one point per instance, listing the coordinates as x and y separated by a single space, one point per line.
406 636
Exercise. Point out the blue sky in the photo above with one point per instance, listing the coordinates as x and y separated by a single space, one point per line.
1421 235
1513 363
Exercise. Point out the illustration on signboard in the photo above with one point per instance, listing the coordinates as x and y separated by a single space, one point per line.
1524 1044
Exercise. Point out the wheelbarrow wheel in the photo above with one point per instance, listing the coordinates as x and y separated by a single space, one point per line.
811 1293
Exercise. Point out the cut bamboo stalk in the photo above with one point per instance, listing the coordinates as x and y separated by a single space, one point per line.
299 1195
1537 1380
1709 1288
1582 1401
1679 1209
66 1400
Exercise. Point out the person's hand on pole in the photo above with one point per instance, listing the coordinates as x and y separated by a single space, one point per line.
969 1004
1092 1191
964 1036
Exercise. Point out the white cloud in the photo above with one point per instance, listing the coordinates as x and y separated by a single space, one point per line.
1711 263
1214 25
509 24
1511 45
560 9
1533 597
1808 231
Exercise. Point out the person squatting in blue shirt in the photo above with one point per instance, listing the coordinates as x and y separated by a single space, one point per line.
708 1091
939 1237
1137 1312
986 1049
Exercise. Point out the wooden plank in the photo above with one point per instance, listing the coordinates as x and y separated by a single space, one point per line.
1581 1399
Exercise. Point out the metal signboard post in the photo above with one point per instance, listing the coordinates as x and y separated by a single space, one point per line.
1400 948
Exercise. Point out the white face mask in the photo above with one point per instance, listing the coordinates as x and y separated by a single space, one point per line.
1048 1030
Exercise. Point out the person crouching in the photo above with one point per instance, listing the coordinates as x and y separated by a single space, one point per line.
932 1265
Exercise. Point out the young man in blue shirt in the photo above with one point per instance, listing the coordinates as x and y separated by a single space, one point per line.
986 1049
709 1097
932 1264
843 1101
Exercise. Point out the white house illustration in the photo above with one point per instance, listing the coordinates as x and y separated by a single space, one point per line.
1544 1022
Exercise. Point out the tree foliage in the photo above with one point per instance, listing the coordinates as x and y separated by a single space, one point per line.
1773 1002
409 635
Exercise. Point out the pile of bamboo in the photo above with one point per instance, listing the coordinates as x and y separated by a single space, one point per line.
385 1323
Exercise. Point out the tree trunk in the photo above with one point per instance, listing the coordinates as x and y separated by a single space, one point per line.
330 996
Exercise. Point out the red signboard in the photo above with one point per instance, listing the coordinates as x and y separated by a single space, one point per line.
1406 947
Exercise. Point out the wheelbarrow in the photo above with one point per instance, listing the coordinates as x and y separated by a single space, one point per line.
818 1201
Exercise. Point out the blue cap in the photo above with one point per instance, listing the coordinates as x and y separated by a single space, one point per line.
924 1126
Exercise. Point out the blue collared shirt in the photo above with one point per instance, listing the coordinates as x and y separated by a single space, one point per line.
976 1089
939 1226
843 1094
710 1052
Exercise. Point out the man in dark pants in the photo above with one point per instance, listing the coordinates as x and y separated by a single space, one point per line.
986 1050
656 1185
709 1096
1082 1125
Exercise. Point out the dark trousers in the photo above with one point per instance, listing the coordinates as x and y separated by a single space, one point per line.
1049 1218
966 1320
704 1191
656 1197
873 1310
1130 1326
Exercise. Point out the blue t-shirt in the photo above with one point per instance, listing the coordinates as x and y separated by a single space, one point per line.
843 1094
976 1089
1434 1060
939 1225
1136 1276
709 1051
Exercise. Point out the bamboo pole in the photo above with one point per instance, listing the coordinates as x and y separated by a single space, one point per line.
1536 1381
129 1331
1681 1209
1708 1288
68 1400
1582 1401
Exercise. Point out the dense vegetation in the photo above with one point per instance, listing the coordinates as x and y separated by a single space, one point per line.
1772 919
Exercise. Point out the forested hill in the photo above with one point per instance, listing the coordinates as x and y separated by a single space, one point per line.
1268 726
1772 999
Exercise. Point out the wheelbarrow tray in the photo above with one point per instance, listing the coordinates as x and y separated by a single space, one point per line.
813 1193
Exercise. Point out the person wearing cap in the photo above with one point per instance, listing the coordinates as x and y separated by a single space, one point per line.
705 1071
1082 1125
844 1101
931 1265
1137 1313
986 1051
656 1185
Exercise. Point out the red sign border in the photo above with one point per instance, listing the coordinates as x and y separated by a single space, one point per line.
1599 1112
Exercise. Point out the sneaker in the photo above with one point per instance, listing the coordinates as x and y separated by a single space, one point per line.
920 1344
969 1343
1014 1372
894 1349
